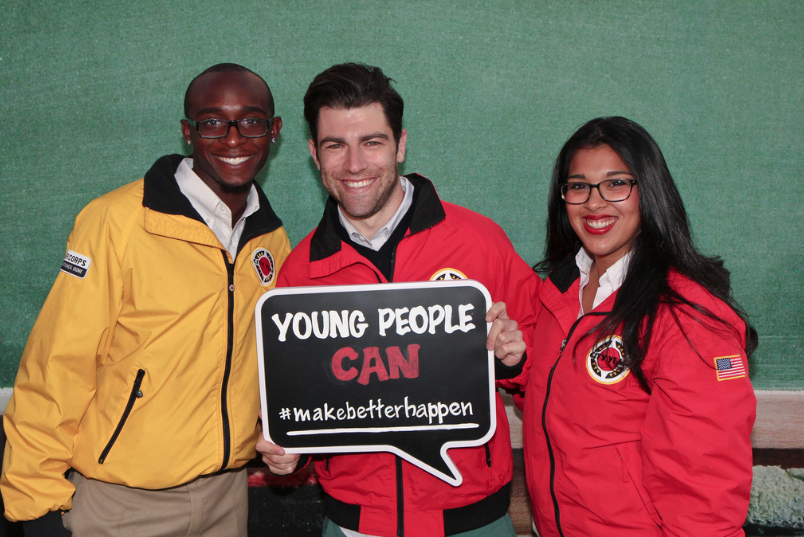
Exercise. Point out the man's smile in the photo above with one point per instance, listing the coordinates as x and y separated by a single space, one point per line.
234 161
359 183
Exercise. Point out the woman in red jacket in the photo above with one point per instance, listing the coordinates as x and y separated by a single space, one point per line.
638 407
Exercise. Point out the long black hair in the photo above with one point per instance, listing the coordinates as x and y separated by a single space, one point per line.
664 240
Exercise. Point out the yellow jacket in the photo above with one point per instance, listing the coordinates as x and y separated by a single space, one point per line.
141 369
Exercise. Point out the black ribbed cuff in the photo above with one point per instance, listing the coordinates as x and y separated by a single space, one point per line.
304 460
504 372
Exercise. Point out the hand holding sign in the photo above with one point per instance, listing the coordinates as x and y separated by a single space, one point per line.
391 367
275 457
505 338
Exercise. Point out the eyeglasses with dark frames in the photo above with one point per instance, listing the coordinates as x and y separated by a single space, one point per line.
250 127
578 193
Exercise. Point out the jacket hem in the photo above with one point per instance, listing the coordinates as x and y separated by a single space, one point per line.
457 520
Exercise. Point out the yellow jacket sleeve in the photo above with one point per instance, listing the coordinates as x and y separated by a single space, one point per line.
56 378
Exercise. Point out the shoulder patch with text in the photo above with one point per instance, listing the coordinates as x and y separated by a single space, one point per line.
729 367
76 264
448 274
606 361
264 265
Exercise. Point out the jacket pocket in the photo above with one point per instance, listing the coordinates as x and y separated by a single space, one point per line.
136 393
631 459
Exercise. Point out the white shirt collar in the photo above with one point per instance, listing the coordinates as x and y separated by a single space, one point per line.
609 281
215 212
382 235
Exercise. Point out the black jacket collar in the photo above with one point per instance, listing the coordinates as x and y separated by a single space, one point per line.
427 212
565 273
162 194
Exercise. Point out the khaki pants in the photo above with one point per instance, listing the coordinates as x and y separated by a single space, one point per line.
212 506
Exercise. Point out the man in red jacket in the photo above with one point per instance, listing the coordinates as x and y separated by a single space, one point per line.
380 227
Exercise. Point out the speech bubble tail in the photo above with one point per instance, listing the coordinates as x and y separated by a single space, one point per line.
435 463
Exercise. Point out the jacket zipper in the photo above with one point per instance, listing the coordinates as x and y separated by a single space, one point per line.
544 420
135 394
400 497
488 454
228 367
393 259
400 500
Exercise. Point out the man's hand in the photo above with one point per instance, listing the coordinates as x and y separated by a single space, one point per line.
274 456
505 338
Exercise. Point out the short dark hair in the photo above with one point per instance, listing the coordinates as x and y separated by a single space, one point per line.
353 85
225 68
664 241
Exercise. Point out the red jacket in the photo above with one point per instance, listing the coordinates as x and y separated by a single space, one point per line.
605 458
367 492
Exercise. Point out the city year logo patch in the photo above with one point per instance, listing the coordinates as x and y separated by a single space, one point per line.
448 274
606 361
264 265
76 264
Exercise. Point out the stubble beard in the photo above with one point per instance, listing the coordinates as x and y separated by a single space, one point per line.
365 208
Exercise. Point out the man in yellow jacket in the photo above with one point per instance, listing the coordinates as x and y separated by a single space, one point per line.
139 379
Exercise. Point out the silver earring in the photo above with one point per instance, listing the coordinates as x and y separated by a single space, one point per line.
273 140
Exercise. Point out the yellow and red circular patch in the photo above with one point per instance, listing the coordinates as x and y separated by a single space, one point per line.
606 361
264 265
448 274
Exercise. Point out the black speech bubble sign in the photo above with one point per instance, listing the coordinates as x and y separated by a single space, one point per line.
342 385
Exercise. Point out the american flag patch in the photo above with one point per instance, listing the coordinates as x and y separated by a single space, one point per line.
729 367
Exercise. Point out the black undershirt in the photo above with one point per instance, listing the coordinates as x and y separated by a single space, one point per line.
383 258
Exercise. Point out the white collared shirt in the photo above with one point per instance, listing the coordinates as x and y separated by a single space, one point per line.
215 212
609 281
381 237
